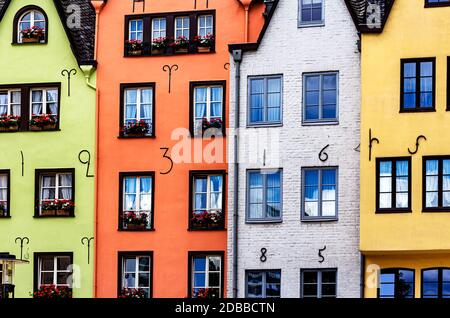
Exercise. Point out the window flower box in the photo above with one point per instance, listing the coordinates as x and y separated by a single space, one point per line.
53 292
205 220
181 44
134 221
32 35
134 47
43 122
136 129
204 43
9 123
159 45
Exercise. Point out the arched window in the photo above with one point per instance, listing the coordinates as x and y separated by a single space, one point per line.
30 25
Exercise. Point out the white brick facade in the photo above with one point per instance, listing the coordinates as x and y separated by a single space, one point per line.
293 245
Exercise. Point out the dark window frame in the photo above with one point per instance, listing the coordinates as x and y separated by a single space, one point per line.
37 255
393 209
122 176
170 30
439 282
7 172
37 191
439 208
16 25
192 254
264 220
318 272
395 271
192 86
436 5
263 271
319 218
125 86
120 256
199 173
417 108
25 97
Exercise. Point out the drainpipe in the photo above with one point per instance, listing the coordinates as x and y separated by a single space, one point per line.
98 5
237 57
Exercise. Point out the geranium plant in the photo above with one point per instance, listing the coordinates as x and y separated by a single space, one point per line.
53 292
140 127
204 41
138 293
42 121
33 33
9 122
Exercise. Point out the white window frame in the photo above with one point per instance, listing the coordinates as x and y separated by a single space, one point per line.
55 271
32 22
138 105
206 28
44 101
159 30
183 27
208 192
137 32
10 104
207 272
137 272
302 23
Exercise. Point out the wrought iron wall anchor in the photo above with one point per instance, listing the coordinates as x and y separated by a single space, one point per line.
417 144
322 258
88 162
69 74
143 4
263 257
226 66
87 240
371 141
22 240
170 68
23 163
323 156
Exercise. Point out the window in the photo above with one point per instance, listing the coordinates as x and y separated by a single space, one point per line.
182 27
55 192
396 283
30 26
207 107
137 110
135 274
319 283
205 25
4 193
265 100
311 12
264 195
320 97
436 3
136 201
206 274
169 27
136 31
418 84
319 193
208 200
394 184
436 183
263 284
53 269
436 283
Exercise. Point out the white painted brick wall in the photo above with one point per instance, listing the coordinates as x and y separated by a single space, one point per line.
293 245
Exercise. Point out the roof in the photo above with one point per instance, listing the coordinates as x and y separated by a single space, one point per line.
82 40
268 14
369 16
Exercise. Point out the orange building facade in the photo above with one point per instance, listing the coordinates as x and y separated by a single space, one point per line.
161 204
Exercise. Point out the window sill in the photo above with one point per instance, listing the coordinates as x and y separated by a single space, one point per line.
265 125
321 123
418 110
137 137
319 220
144 230
274 221
392 211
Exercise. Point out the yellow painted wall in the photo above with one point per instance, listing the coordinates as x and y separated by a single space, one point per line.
412 31
417 262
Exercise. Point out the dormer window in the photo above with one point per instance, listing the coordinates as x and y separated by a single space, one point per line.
30 26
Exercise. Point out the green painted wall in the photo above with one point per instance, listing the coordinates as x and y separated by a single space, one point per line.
59 149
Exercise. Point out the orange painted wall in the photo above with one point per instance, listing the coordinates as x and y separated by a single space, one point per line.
171 241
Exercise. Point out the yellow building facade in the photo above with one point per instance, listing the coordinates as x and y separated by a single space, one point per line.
405 148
